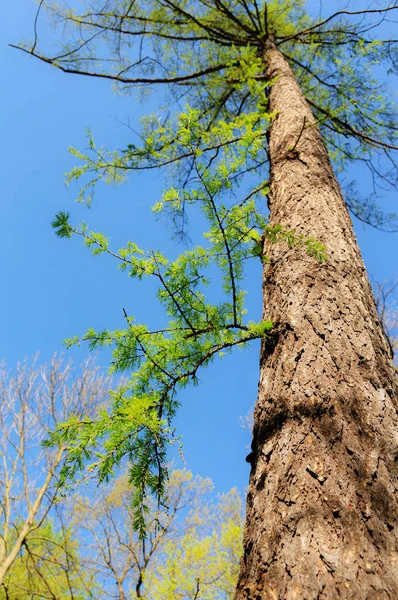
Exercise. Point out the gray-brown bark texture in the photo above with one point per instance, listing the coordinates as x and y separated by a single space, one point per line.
322 514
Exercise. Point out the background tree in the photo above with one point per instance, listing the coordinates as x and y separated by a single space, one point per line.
84 545
321 516
33 401
204 562
192 549
385 296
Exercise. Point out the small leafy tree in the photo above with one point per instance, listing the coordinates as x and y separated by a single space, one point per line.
49 566
204 561
191 550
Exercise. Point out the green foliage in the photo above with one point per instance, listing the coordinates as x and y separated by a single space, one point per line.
61 225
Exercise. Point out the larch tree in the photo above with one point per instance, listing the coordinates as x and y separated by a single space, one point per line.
274 96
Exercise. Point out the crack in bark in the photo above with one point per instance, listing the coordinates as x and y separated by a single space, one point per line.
320 478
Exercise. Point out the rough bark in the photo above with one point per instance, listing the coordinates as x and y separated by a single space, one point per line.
321 510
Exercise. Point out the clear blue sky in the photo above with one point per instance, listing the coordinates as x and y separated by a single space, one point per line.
53 289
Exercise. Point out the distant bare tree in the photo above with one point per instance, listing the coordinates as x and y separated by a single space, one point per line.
386 296
33 401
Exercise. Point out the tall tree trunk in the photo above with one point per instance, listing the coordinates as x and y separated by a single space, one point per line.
321 516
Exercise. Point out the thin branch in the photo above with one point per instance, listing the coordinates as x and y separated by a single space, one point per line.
138 80
35 23
351 130
337 14
227 248
197 589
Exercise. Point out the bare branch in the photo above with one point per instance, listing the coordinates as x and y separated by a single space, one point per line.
138 80
337 14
